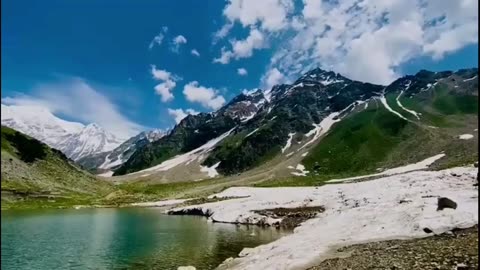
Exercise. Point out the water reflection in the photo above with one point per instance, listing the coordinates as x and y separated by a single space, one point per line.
136 238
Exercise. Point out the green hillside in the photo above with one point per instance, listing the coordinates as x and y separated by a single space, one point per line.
376 138
37 175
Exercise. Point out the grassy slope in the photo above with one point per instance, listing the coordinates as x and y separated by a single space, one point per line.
376 138
34 175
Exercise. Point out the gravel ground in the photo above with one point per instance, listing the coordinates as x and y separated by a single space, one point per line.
455 250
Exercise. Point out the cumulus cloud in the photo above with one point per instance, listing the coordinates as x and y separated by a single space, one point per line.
242 72
166 85
195 52
271 78
79 100
179 114
242 48
364 40
206 96
267 14
177 41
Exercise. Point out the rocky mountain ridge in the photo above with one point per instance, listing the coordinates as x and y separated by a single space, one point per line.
267 123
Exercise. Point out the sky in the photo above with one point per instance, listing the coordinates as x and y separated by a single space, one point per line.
137 65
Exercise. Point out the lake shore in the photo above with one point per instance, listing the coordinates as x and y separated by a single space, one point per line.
402 206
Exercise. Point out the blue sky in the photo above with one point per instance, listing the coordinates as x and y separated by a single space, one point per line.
75 57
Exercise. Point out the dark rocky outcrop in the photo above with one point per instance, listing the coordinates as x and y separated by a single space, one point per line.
444 202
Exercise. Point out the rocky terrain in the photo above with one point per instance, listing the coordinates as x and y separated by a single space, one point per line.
456 249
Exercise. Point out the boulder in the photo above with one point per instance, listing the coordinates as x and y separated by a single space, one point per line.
444 202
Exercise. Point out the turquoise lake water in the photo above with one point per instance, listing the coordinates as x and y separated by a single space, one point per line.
125 238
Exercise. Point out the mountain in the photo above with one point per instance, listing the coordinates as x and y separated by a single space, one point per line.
111 160
363 127
74 139
33 170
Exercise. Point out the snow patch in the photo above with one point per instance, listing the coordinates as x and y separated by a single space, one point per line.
255 130
384 102
469 79
301 171
465 137
421 165
106 174
405 109
247 118
187 157
321 128
289 142
211 171
329 81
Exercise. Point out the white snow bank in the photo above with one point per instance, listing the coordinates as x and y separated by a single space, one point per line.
394 207
158 203
187 157
384 102
211 171
421 165
465 137
289 142
414 113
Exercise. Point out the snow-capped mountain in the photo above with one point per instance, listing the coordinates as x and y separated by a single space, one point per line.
110 160
289 119
90 140
39 123
74 139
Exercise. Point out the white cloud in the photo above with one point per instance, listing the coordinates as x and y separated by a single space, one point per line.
195 52
270 15
179 114
164 89
242 72
224 58
79 100
160 74
177 41
222 32
365 40
452 40
158 39
243 48
206 96
271 78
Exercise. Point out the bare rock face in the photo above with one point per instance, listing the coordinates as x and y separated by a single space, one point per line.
444 202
